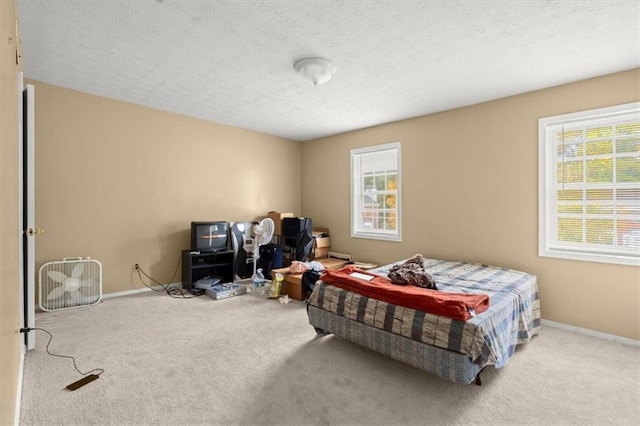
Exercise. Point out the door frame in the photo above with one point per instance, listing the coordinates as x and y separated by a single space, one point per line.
26 200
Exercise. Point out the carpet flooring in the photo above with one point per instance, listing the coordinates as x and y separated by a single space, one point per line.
249 360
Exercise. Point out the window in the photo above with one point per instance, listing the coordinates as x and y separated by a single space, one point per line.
375 192
589 189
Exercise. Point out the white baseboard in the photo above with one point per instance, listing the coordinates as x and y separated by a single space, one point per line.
592 333
139 290
23 353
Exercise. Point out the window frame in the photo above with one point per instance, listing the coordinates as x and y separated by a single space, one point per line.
356 193
548 216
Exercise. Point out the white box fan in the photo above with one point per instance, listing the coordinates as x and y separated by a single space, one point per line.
70 283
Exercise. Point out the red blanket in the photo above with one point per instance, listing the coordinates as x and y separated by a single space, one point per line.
452 305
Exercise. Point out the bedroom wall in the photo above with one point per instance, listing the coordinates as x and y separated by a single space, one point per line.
121 183
470 192
10 342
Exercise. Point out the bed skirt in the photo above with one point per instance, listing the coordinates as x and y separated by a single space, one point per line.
450 365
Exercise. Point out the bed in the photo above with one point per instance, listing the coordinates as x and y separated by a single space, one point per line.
455 349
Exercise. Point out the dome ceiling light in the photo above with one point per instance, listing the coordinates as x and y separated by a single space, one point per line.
316 70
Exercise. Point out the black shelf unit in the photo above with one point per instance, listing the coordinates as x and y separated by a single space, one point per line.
215 264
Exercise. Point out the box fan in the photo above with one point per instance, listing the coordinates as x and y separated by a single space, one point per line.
70 283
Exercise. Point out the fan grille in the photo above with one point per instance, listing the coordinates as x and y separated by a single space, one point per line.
266 228
70 283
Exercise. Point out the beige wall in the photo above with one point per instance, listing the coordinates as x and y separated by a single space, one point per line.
470 192
10 341
121 183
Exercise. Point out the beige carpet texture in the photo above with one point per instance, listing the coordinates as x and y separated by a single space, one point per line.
249 360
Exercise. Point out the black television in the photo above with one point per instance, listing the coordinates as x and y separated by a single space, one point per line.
209 236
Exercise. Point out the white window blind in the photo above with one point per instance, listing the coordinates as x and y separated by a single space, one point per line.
590 185
375 192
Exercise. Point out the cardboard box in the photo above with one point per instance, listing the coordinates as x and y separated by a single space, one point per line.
320 232
292 286
292 283
321 247
320 253
332 263
277 219
321 242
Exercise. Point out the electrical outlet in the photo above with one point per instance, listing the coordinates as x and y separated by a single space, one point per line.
135 267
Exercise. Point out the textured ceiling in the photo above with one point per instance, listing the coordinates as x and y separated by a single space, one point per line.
232 61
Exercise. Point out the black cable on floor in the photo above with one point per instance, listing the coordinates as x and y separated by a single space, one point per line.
171 291
96 371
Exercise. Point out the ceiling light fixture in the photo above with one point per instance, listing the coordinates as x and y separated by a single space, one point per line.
316 70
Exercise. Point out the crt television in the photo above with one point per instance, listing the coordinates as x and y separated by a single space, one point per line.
209 236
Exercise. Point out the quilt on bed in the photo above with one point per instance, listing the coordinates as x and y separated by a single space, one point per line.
460 306
488 338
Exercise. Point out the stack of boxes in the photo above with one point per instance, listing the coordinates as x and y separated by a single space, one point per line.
292 284
321 243
277 219
321 240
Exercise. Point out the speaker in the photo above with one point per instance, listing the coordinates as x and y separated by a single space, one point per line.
297 234
270 258
293 226
242 244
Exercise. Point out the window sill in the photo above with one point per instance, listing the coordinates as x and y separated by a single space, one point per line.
591 257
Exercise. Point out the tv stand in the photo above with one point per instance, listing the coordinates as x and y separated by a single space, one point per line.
205 264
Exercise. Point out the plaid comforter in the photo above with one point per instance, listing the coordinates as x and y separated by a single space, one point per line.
488 338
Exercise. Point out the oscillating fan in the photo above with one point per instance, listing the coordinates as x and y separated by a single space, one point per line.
263 232
70 283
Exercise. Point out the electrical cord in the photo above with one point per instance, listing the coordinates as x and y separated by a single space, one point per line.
96 371
141 272
178 293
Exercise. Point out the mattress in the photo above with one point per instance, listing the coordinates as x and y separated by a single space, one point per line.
488 338
450 365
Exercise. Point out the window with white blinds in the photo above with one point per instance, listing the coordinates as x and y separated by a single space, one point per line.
375 192
589 189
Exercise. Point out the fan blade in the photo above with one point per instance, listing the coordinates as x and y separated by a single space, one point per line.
77 270
267 223
87 282
56 293
57 276
268 227
76 297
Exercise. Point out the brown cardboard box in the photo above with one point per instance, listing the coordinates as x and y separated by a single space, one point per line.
319 232
321 247
321 242
277 219
292 283
292 286
321 252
